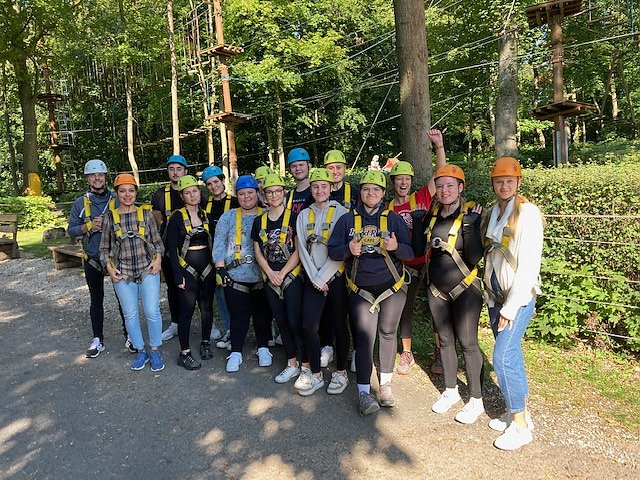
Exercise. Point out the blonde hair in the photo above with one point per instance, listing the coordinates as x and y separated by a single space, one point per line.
512 222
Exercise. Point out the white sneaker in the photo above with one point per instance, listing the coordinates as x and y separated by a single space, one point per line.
500 424
287 374
95 348
446 400
170 332
316 384
264 357
304 379
471 411
225 341
326 355
338 383
234 361
215 334
513 437
353 362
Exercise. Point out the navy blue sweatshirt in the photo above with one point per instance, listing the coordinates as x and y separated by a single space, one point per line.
372 269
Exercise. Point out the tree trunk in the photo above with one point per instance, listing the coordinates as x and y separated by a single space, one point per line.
280 133
30 169
175 124
508 99
130 152
627 93
413 67
541 138
13 166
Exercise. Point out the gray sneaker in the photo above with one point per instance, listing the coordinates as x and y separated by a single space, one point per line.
385 396
368 403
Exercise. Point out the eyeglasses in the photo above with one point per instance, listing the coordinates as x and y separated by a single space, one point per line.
372 190
274 193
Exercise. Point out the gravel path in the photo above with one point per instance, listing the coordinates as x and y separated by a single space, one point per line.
65 416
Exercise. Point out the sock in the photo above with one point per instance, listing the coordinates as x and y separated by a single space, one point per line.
364 388
385 378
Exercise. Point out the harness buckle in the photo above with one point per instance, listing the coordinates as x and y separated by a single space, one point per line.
312 239
248 259
131 234
370 249
436 242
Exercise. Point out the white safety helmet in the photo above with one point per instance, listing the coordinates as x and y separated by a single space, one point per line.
95 166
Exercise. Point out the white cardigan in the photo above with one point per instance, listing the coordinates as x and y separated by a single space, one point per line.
523 284
317 264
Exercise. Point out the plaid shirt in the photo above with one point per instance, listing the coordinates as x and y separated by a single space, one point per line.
135 255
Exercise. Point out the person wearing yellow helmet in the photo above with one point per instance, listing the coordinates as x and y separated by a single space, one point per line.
513 229
453 246
325 295
131 251
189 243
408 204
273 238
342 192
260 174
373 242
85 222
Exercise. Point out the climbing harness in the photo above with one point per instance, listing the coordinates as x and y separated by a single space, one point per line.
191 231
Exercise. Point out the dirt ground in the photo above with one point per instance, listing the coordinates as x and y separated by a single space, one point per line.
66 416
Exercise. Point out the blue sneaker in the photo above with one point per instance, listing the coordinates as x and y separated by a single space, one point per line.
157 364
142 358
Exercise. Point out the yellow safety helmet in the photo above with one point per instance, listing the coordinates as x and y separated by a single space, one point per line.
320 174
375 177
506 167
273 180
402 168
262 172
334 156
449 170
187 181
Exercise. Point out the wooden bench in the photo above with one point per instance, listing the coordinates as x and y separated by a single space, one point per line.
9 246
66 256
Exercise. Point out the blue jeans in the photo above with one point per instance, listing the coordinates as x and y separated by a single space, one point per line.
508 361
223 310
149 292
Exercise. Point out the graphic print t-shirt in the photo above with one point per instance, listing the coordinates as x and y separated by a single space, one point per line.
271 249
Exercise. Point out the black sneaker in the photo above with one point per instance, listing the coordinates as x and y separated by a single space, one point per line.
187 361
205 351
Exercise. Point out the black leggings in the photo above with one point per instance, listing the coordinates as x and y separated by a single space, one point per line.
384 323
242 307
95 282
196 290
173 294
315 306
458 319
288 314
406 319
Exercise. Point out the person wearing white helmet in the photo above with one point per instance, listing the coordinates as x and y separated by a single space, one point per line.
164 202
85 221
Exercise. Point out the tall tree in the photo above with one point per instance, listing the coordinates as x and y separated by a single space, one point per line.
413 68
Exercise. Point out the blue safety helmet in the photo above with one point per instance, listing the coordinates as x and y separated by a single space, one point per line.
177 159
212 171
246 181
298 155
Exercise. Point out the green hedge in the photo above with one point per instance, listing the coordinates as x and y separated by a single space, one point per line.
34 212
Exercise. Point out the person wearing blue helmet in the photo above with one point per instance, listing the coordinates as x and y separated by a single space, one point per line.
164 202
218 203
239 274
298 163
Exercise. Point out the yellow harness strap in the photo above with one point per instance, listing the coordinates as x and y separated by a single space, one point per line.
412 202
503 248
187 243
399 279
167 201
470 276
120 235
89 224
227 204
347 195
237 247
326 227
282 237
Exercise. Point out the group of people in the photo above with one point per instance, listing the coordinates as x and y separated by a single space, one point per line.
332 263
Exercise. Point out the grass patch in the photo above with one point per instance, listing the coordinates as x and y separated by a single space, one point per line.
30 241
